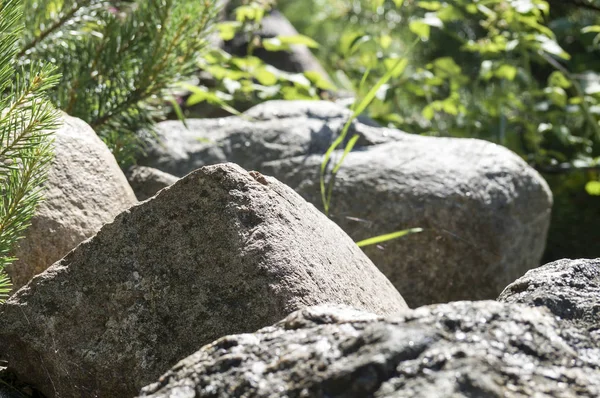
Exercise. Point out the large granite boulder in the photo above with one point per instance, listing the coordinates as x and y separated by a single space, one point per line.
569 288
221 251
462 349
484 210
85 190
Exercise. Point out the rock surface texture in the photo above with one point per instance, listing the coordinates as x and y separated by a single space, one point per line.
569 288
276 130
146 181
463 349
221 251
484 210
85 190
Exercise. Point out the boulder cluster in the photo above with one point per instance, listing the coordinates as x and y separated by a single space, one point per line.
223 278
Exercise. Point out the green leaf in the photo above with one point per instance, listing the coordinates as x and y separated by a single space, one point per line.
387 237
252 12
319 80
227 30
446 67
428 112
557 95
398 3
429 5
280 43
178 111
420 28
505 71
395 65
351 41
592 28
552 47
385 41
593 188
558 79
265 76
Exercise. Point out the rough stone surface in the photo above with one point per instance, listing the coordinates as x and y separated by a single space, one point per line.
146 181
569 288
463 349
275 130
484 210
221 251
85 190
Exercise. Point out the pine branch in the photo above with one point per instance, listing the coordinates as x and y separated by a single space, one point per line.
120 64
26 121
53 27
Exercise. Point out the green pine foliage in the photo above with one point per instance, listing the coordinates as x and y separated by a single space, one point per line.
27 120
120 60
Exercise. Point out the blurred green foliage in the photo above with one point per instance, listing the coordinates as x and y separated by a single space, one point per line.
241 81
522 73
513 72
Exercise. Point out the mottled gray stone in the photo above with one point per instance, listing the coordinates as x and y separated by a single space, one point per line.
146 181
569 288
462 349
85 190
484 210
221 251
270 131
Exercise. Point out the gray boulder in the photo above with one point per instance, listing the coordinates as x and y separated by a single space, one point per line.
85 190
146 181
271 131
569 288
221 251
462 349
484 210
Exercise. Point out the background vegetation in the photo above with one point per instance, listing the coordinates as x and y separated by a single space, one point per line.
522 73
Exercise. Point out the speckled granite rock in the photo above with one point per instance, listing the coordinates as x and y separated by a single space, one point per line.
221 251
462 349
569 288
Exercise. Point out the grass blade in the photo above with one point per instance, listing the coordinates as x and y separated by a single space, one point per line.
387 237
